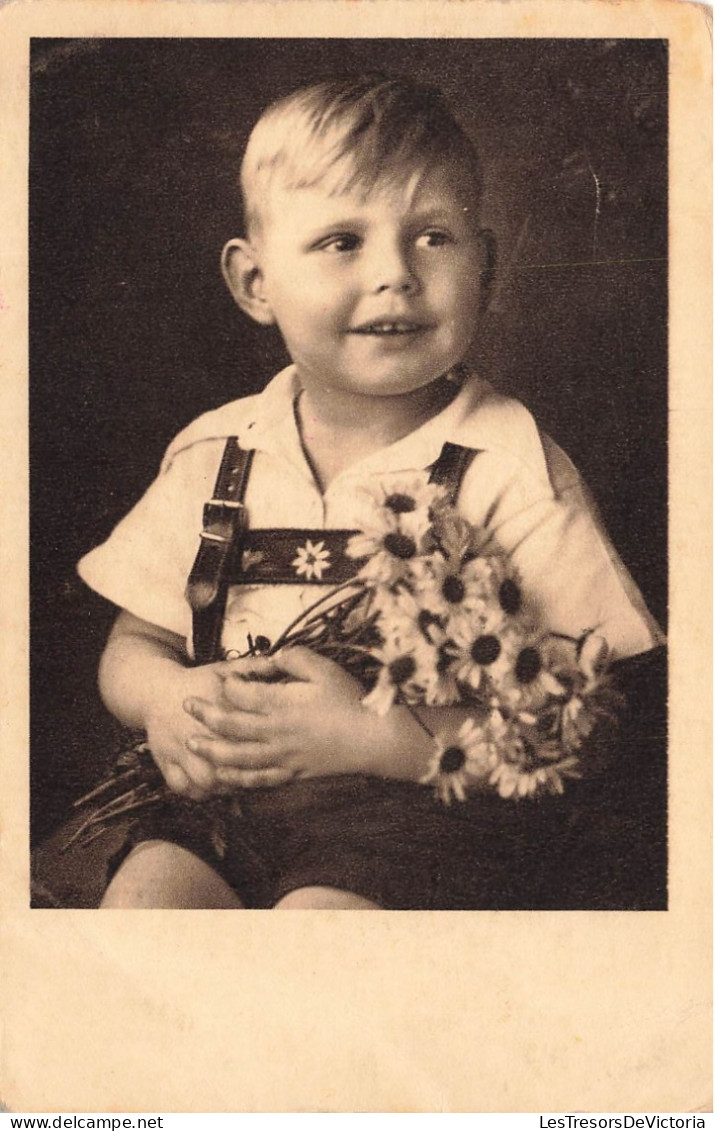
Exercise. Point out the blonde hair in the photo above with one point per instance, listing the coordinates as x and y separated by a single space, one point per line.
352 134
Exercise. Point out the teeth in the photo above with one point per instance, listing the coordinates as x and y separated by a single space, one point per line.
388 328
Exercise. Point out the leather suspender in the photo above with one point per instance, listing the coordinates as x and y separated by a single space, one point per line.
225 520
449 469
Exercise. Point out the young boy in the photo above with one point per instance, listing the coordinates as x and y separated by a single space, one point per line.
363 246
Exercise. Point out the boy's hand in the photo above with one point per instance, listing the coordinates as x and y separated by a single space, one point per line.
170 731
144 678
309 724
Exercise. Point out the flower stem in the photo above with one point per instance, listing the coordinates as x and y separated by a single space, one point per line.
123 777
309 614
126 803
410 707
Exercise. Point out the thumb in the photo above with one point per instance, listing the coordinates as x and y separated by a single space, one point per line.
252 668
302 663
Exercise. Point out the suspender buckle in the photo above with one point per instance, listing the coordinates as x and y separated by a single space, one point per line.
208 536
224 519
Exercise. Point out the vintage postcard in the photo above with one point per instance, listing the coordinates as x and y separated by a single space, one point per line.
356 407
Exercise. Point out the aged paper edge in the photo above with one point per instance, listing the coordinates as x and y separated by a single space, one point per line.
392 1012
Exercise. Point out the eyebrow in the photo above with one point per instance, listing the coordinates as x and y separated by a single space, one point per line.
337 224
437 215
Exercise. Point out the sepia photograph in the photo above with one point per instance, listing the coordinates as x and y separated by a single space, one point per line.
348 425
356 420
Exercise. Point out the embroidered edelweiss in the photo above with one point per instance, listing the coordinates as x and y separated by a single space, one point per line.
251 558
311 560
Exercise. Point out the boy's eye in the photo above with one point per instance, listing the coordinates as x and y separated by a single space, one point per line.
341 243
434 238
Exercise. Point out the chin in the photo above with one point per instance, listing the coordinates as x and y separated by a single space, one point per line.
394 388
416 384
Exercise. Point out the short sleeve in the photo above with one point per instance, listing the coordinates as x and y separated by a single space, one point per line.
570 570
144 564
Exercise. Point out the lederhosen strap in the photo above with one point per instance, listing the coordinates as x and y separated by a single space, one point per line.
450 467
231 554
224 520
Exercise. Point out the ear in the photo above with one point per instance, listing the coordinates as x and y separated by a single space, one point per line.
243 275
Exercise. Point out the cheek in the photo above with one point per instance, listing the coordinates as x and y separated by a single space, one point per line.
456 284
313 325
462 301
315 296
467 298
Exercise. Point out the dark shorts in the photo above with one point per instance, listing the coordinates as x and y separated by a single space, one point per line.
393 843
602 846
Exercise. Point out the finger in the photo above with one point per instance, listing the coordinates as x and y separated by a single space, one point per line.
199 771
179 782
241 755
235 724
252 697
254 779
260 666
176 779
302 663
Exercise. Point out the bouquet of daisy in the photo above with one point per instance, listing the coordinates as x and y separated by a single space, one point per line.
436 617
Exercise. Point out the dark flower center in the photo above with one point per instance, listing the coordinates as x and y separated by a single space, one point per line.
528 665
452 760
400 504
531 760
510 596
370 637
400 545
485 650
546 722
453 589
402 669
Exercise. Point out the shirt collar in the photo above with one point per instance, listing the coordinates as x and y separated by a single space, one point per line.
270 425
478 417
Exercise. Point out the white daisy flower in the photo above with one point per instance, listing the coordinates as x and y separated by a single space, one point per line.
404 617
532 680
395 532
410 628
404 671
522 764
411 499
484 651
390 553
513 781
458 765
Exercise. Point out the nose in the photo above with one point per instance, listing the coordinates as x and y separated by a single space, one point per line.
391 270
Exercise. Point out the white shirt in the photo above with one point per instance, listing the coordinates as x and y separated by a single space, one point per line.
520 485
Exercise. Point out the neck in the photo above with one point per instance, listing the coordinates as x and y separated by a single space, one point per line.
377 421
338 430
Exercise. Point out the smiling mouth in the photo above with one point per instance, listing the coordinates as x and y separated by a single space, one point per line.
388 327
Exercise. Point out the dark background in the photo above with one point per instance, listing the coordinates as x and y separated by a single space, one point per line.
135 149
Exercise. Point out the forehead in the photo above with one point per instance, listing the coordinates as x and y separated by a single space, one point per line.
446 188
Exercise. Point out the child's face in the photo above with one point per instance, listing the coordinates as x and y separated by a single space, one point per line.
373 295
